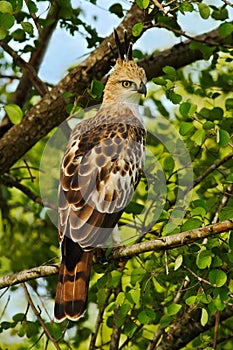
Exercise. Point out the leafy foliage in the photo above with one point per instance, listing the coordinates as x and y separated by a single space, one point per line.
177 294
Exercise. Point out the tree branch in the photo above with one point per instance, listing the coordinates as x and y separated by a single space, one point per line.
27 275
173 241
164 243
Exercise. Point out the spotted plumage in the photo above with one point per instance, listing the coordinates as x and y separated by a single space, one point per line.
100 170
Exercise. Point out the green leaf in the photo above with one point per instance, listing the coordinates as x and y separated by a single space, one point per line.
219 303
226 213
191 300
186 128
169 70
216 114
96 89
19 35
199 137
204 317
229 104
101 297
204 259
117 10
120 299
217 277
32 6
134 208
144 318
130 328
137 29
6 325
137 275
19 317
173 309
178 262
220 13
223 138
145 3
225 29
14 112
159 81
6 7
115 279
6 20
187 109
186 6
27 27
174 97
231 240
140 4
3 33
204 10
208 125
165 321
198 211
168 164
31 329
123 311
191 224
135 295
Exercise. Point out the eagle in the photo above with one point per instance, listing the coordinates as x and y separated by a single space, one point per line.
100 170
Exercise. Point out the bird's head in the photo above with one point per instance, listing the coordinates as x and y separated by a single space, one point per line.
128 81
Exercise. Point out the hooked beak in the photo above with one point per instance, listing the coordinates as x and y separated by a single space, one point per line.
142 89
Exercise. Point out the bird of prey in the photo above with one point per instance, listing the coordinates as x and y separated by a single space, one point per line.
100 170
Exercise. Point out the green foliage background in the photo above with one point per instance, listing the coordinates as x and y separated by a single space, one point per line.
155 292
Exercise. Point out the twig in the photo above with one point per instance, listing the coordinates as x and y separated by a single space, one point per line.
39 318
99 321
27 68
212 167
216 325
228 3
7 76
182 33
160 331
12 181
34 17
161 8
223 203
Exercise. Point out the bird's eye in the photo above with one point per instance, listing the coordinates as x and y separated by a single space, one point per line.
126 83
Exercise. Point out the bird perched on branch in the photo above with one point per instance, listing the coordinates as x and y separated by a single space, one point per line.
100 170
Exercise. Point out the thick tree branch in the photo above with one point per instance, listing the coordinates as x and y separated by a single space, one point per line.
164 243
51 110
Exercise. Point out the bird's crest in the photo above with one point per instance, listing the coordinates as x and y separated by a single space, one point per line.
124 53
